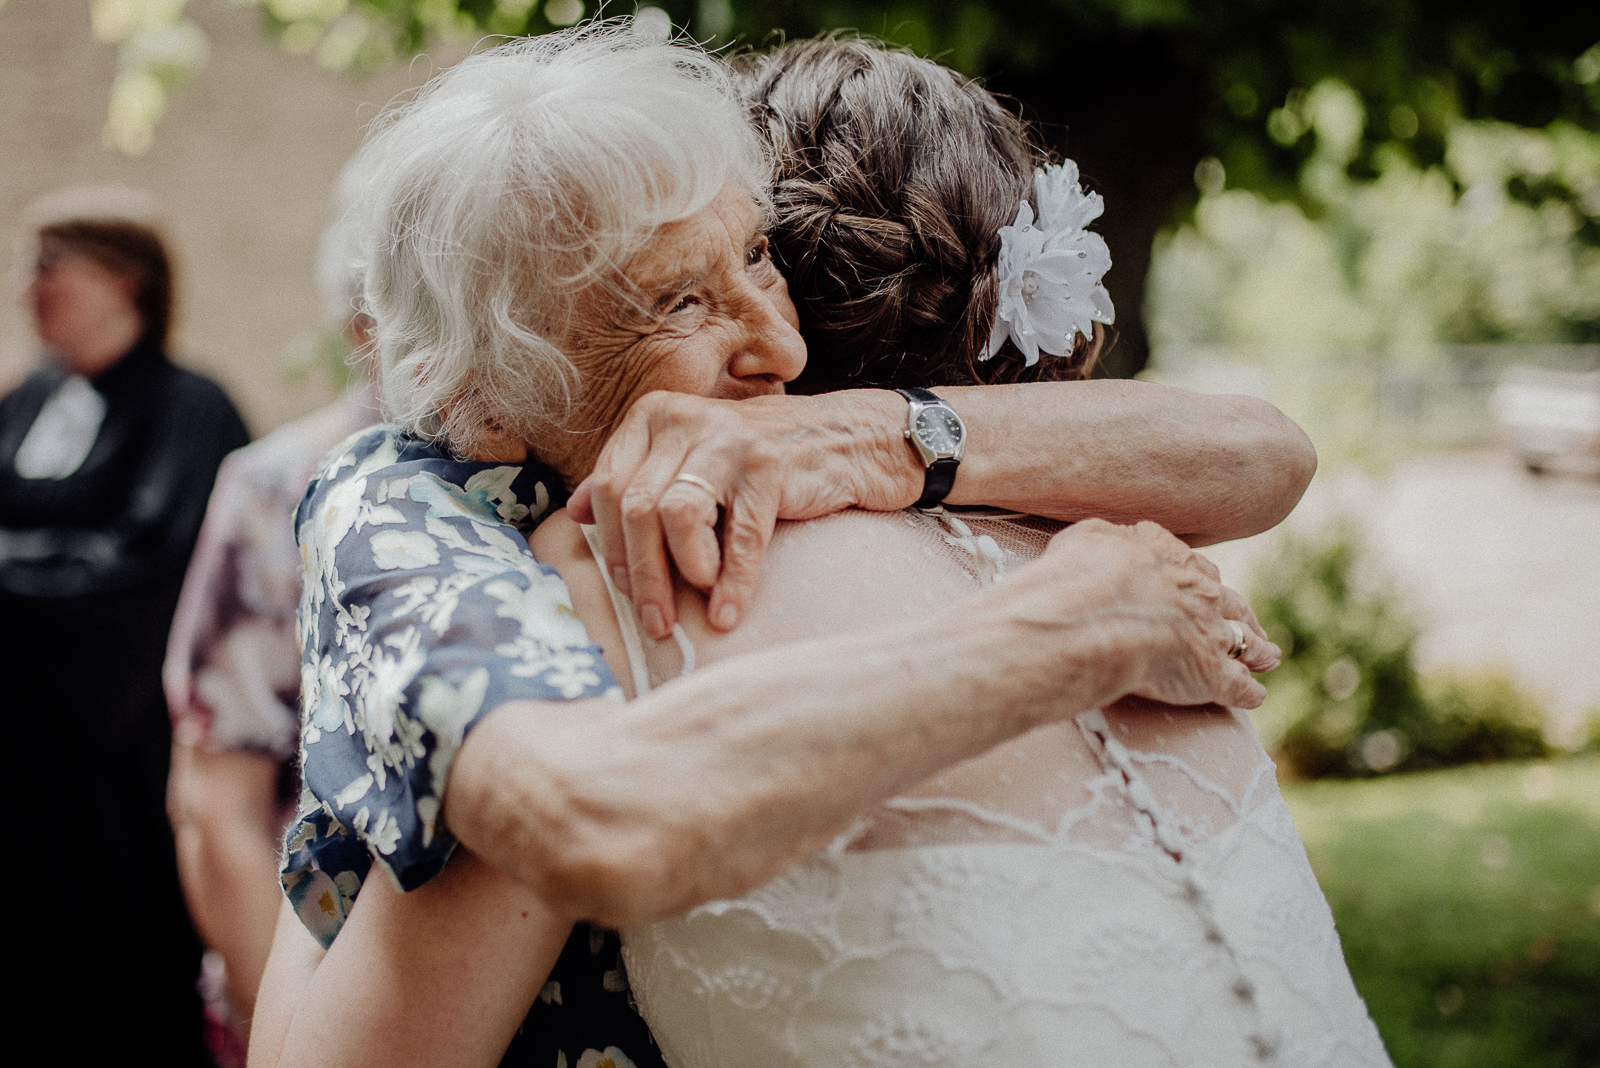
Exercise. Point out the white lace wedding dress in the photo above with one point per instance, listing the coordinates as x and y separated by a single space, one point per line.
1121 890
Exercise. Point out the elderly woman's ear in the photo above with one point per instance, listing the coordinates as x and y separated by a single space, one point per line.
495 443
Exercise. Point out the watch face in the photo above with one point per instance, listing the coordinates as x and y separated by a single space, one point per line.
939 431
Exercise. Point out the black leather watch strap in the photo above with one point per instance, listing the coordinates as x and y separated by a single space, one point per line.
941 473
936 485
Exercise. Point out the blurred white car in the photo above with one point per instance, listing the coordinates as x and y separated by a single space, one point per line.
1547 417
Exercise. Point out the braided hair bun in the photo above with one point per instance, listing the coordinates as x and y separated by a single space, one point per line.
893 176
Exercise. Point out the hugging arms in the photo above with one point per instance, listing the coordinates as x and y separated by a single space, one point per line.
1207 468
423 670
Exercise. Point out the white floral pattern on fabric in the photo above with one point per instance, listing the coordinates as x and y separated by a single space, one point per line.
230 672
1050 272
422 609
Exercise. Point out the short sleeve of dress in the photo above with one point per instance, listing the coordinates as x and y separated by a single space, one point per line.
422 609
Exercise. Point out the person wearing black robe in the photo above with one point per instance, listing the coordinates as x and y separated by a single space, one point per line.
107 457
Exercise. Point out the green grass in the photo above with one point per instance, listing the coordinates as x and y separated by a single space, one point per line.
1468 901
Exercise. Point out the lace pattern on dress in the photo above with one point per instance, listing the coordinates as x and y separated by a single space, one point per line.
1123 889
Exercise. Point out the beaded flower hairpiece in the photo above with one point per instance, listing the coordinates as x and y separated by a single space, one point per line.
1050 273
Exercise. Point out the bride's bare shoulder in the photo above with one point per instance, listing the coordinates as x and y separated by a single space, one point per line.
558 542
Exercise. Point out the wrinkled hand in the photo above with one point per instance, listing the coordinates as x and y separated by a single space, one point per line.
1164 609
769 458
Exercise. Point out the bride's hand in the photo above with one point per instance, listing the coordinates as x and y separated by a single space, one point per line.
1171 615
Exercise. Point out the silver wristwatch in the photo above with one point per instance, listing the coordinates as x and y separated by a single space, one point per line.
940 438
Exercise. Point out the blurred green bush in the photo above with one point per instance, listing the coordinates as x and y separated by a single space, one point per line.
324 352
1348 700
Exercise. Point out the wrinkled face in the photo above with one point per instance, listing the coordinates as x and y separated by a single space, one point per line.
75 301
718 323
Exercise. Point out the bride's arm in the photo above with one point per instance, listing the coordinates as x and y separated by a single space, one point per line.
1208 468
443 975
291 966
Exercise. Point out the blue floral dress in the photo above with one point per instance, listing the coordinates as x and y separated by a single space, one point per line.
422 610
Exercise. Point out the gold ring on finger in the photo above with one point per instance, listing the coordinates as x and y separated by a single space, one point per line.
696 480
1241 643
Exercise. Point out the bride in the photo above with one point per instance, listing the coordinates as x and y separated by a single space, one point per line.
1125 888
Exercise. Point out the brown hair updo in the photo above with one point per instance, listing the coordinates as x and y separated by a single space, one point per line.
893 176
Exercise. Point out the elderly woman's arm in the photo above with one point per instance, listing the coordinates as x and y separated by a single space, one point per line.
771 754
1208 468
711 784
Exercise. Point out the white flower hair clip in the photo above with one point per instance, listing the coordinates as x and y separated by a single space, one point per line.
1050 273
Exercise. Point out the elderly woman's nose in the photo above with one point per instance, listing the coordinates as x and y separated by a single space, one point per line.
773 347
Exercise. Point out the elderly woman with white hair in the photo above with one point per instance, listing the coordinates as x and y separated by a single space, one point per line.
566 230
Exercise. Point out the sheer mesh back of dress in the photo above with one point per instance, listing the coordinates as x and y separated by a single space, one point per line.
1103 780
1124 887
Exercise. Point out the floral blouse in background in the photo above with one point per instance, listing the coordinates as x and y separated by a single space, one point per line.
232 671
422 610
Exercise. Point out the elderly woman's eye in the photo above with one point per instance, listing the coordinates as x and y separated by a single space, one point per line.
684 302
759 252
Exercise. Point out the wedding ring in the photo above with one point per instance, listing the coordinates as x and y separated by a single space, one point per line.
1240 642
696 480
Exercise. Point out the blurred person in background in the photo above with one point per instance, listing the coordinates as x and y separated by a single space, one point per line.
232 674
107 456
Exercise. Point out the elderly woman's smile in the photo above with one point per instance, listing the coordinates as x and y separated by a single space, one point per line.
714 319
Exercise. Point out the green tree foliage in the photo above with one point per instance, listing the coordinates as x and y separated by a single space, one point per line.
1496 243
1136 90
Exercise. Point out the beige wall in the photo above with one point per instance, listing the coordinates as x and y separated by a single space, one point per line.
242 164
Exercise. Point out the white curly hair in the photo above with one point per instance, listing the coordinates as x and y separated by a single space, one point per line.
512 185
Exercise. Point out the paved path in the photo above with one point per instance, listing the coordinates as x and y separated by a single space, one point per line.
1502 567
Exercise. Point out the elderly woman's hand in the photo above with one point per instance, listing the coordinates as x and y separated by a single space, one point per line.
766 458
1165 607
